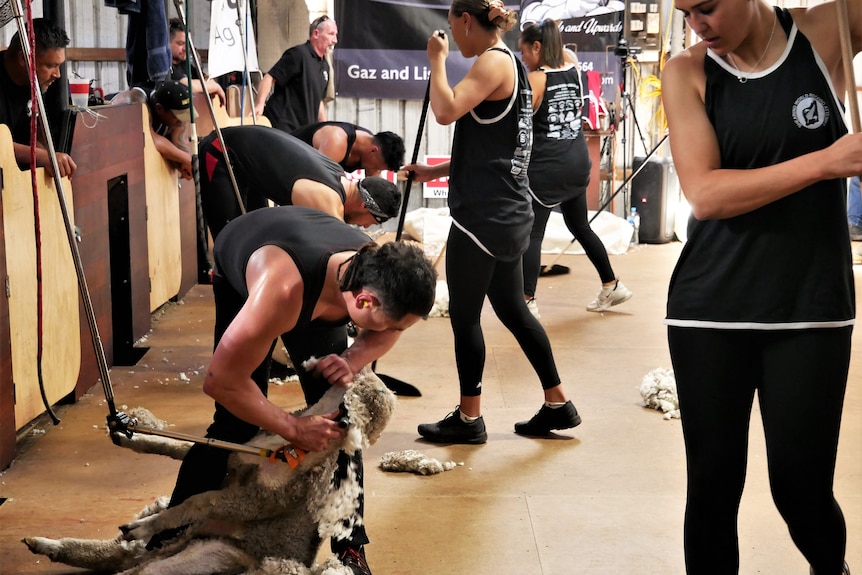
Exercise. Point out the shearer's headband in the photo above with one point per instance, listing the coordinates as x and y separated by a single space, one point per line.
371 205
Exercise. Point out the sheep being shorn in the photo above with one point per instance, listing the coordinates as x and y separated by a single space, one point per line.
267 519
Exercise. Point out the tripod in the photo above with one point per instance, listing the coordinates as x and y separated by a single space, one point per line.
627 54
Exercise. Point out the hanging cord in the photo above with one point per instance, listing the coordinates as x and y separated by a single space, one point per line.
34 113
203 241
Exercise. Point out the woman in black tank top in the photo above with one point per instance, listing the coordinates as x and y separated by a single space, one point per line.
560 163
762 299
491 213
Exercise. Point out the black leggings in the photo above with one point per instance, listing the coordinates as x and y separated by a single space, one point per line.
204 468
800 377
575 215
472 274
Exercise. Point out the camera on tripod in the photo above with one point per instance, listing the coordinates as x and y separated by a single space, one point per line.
624 50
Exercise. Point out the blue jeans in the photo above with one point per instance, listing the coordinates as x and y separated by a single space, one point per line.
854 203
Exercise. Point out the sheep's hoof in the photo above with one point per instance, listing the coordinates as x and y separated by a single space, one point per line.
41 545
133 531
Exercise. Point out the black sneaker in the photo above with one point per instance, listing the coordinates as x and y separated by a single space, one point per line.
549 418
354 559
452 429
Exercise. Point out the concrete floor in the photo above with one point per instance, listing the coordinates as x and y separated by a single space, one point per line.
605 498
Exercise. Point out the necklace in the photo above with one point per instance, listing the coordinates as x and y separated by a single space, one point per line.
742 79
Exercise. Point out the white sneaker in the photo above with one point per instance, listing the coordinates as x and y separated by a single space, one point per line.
533 307
609 296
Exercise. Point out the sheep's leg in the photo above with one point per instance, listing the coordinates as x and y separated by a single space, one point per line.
94 554
212 557
192 510
234 504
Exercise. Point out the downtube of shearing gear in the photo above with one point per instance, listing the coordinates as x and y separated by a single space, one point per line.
192 56
99 350
409 183
621 187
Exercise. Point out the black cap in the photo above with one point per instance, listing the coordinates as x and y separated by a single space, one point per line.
174 97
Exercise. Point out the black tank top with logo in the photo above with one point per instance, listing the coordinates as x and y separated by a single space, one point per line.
786 265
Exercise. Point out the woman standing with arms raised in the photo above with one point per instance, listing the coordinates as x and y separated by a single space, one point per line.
492 217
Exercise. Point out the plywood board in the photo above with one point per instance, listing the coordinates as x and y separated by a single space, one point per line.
61 346
163 222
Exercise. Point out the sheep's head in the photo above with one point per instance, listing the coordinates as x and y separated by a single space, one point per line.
369 404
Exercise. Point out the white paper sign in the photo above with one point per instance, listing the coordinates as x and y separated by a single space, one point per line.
226 43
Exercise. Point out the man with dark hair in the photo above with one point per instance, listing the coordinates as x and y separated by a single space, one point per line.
298 274
355 147
15 103
271 165
298 80
179 65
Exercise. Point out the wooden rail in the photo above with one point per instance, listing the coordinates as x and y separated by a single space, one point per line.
106 54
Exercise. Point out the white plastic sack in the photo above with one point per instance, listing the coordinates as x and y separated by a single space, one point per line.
431 227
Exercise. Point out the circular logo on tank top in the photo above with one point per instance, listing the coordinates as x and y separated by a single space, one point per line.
810 111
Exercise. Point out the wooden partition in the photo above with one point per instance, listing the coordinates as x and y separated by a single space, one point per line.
7 391
163 187
122 178
60 359
129 207
204 120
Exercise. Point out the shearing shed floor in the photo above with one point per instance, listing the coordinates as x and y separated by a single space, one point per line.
604 498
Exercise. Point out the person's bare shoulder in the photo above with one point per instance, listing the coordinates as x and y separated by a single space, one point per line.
685 69
332 132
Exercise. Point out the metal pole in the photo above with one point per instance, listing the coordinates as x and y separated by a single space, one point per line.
240 24
622 186
195 58
411 175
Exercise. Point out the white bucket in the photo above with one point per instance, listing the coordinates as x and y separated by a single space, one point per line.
79 89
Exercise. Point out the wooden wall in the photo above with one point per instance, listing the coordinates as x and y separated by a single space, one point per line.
60 348
7 392
115 147
154 257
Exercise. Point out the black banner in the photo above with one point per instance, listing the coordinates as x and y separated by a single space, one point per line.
381 45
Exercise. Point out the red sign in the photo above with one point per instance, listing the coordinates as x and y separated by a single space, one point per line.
439 188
